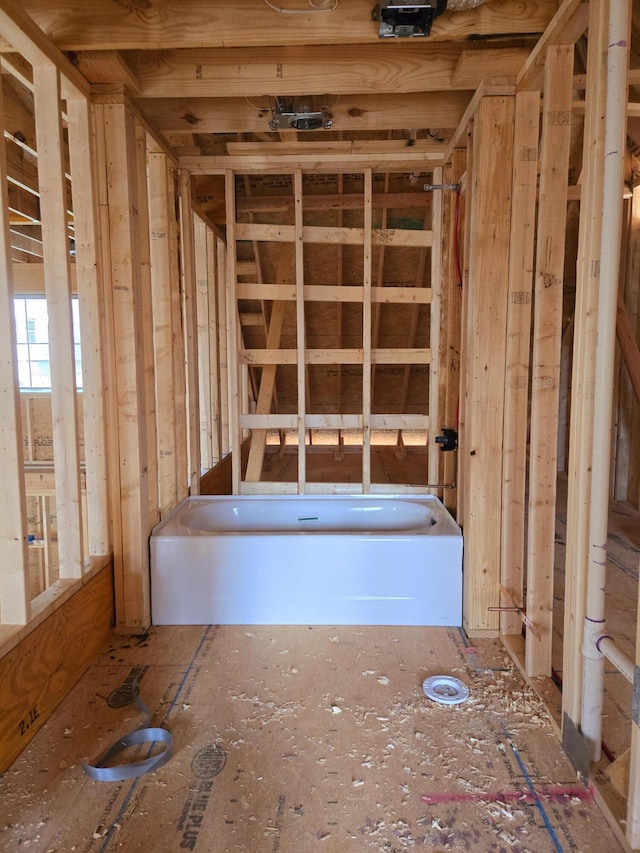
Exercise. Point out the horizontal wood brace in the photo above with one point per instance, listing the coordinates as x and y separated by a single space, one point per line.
334 293
340 236
333 421
409 355
394 422
327 164
268 421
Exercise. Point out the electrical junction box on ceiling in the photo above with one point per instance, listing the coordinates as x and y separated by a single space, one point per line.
403 20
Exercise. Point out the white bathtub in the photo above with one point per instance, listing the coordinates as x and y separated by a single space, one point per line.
307 560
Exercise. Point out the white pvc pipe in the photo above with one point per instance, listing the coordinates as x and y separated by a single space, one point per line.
615 142
614 654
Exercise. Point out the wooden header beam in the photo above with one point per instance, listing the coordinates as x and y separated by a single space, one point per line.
330 164
243 72
105 25
384 111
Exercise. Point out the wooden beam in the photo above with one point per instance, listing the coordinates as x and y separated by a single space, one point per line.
471 68
55 238
128 432
490 220
450 311
301 332
404 161
547 341
203 330
367 360
336 293
146 309
406 355
334 201
165 337
628 346
351 112
233 371
436 378
327 234
369 146
107 66
73 25
310 70
525 175
15 598
489 87
214 348
565 28
583 370
187 246
91 308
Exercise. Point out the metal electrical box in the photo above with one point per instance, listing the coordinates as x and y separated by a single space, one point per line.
404 20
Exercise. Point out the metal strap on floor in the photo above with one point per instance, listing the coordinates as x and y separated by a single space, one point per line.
103 771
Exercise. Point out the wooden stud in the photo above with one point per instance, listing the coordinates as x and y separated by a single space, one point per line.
203 330
632 301
300 330
633 799
162 280
181 446
214 353
366 336
547 340
379 279
55 237
191 332
118 190
15 601
225 426
146 307
90 299
233 367
525 174
490 215
450 311
435 327
583 370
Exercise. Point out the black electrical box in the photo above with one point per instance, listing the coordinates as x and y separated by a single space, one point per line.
404 20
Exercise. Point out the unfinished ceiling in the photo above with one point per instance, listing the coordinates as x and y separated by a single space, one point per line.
206 77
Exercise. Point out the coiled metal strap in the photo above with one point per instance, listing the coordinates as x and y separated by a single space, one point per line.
143 734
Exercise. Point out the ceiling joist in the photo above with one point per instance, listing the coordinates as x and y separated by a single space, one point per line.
106 25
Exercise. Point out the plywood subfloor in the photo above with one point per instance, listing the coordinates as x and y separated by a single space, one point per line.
296 739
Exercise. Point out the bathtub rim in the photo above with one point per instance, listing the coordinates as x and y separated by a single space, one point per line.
445 525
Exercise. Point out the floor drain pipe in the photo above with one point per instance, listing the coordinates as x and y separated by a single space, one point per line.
615 141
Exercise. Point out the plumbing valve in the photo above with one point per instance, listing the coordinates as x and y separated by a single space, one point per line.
448 440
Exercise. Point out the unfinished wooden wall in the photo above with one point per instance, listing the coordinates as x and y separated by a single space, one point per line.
320 292
149 261
488 214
